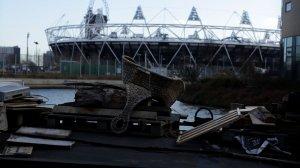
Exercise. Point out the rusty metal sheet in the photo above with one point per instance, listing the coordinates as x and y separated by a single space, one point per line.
39 141
44 132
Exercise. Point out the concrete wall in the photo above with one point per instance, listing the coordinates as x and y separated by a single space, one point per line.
55 83
291 19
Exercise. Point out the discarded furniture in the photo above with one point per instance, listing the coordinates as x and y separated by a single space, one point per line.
12 90
142 85
24 110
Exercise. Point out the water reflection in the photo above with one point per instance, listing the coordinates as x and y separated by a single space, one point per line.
55 96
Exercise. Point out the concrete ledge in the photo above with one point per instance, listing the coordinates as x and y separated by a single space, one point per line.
56 83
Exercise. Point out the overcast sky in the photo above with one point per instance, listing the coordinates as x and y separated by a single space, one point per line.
17 17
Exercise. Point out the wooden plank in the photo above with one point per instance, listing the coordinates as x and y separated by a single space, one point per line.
102 112
207 128
20 105
211 123
39 141
225 120
44 132
31 109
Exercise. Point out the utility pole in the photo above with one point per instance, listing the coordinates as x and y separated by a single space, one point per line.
27 53
36 52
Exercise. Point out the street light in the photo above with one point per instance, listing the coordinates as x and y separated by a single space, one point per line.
36 52
27 53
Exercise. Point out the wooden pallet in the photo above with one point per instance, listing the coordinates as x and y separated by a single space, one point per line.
225 120
102 112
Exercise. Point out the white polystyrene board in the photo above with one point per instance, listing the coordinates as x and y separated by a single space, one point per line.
39 141
44 132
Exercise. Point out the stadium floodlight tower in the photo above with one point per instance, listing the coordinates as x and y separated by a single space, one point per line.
193 17
245 20
139 16
148 62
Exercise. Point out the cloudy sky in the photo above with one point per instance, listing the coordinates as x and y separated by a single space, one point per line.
17 17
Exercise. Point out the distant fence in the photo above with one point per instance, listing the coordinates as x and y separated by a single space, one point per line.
108 68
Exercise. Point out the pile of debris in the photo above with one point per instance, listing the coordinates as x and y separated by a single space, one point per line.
18 107
257 131
142 107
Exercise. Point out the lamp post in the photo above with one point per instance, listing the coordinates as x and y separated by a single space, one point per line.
36 52
27 53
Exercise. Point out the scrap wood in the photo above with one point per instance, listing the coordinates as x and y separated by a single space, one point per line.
39 141
20 105
25 100
44 132
212 125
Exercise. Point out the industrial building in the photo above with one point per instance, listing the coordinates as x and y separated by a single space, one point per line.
291 38
48 60
95 47
9 57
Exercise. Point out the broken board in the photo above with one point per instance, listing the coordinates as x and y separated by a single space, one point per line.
39 141
212 125
44 132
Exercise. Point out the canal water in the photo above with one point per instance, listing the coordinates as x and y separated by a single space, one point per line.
55 96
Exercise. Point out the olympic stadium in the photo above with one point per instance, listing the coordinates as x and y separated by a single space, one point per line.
95 46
